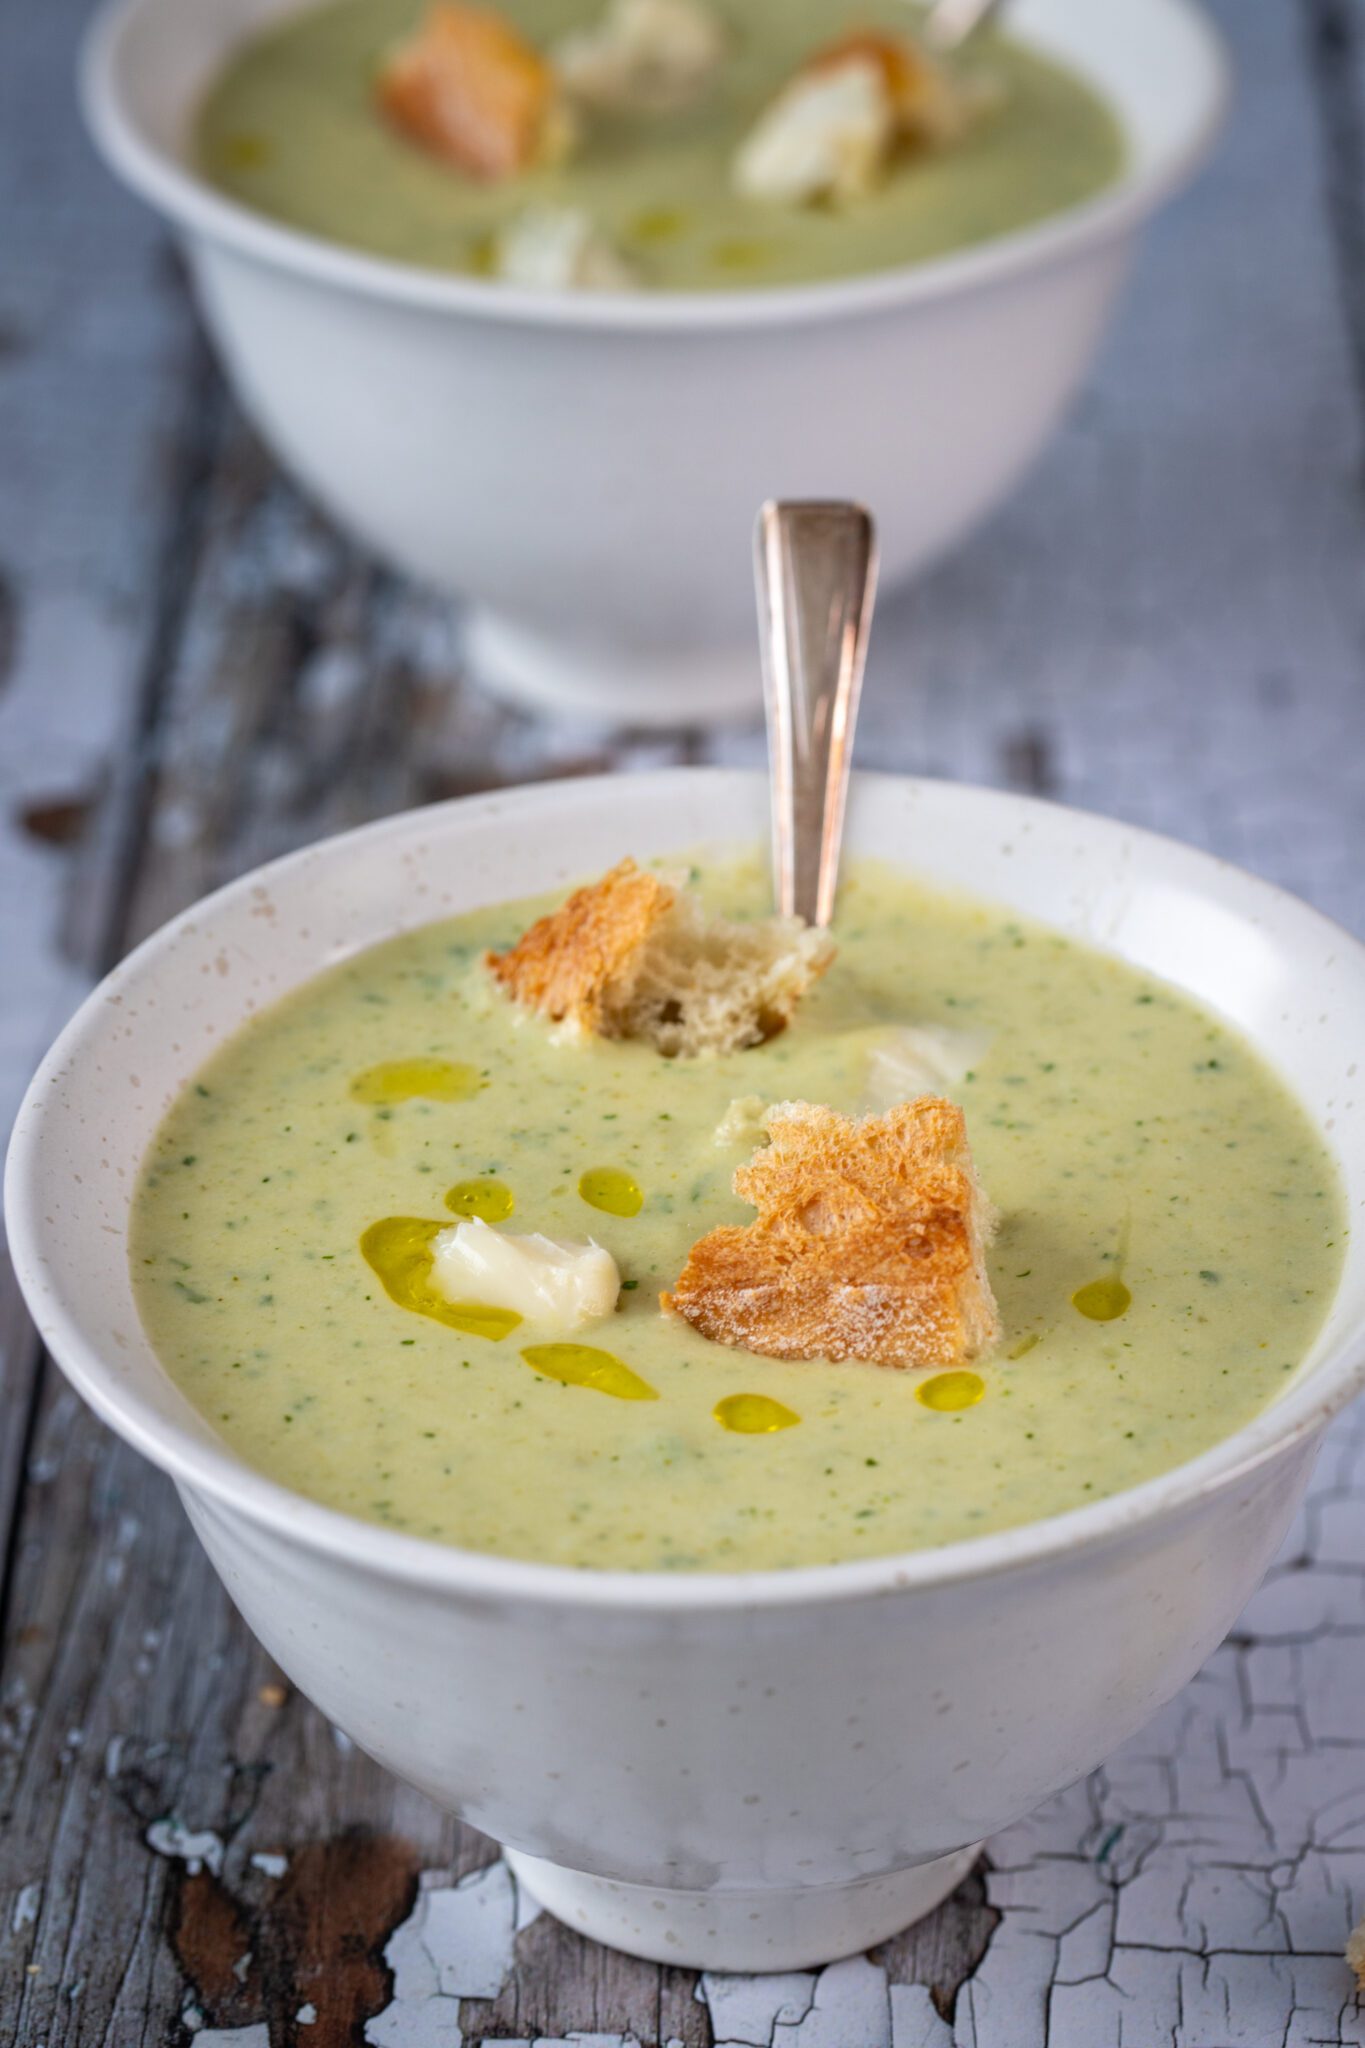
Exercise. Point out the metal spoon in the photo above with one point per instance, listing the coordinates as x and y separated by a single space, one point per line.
815 565
951 23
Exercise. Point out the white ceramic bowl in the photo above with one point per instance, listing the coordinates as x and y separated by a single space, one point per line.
586 469
748 1772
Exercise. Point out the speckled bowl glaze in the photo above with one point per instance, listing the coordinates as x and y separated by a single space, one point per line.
584 467
749 1772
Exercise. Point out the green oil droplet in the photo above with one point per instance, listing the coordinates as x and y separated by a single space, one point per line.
483 256
583 1365
244 152
398 1251
753 1414
658 224
492 1201
406 1080
949 1390
614 1192
740 254
1102 1301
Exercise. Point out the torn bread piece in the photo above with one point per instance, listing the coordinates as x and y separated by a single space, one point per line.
826 136
830 133
554 249
469 88
869 1243
643 56
634 956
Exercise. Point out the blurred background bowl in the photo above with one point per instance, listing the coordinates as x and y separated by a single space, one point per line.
584 469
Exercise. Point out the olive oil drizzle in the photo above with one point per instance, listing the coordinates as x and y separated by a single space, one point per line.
583 1365
754 1414
1106 1299
948 1391
398 1251
1103 1301
613 1192
492 1201
409 1080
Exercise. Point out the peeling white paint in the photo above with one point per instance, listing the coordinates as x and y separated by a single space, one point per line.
270 1863
197 1849
851 2008
306 2016
915 2020
745 2010
456 1943
26 1904
579 2041
420 2023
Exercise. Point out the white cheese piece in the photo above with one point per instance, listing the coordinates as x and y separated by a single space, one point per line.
563 1285
644 56
827 135
745 1122
919 1059
550 249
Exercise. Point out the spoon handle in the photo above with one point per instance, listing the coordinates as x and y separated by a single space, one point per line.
951 23
815 565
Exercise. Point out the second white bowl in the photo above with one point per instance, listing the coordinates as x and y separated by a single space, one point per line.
586 468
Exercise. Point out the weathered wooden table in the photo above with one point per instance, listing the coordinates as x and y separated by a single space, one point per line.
195 673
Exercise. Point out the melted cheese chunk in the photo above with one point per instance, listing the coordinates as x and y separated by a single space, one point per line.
563 1286
920 1059
826 136
552 249
644 56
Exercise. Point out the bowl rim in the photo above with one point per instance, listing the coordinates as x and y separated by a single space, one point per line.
212 1469
170 186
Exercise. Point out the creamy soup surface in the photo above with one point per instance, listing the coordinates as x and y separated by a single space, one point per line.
290 129
1171 1235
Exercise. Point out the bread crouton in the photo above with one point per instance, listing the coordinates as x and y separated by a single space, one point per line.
633 956
553 249
869 1243
831 131
644 56
826 136
469 88
929 104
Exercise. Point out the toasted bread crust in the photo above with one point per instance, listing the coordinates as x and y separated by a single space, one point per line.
565 963
868 1243
928 106
470 89
632 957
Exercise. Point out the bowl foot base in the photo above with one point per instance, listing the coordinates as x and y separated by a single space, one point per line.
750 1931
540 672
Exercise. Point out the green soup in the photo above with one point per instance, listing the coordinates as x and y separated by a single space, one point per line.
1169 1242
290 129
